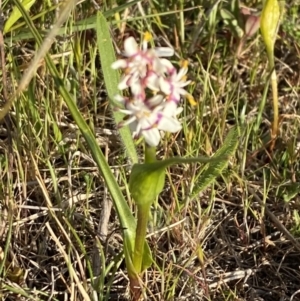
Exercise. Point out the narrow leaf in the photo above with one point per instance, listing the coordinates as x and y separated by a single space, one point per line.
215 168
16 14
231 20
111 79
147 257
227 16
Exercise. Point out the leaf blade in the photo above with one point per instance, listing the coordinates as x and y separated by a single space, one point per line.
216 167
16 14
112 79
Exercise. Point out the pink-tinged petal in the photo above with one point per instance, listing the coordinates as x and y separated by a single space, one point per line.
165 86
152 136
148 121
155 100
167 66
136 107
130 46
169 124
138 91
164 51
136 87
137 61
134 78
119 64
152 81
175 96
123 84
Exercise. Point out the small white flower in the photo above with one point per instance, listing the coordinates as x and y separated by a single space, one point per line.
146 121
140 62
173 85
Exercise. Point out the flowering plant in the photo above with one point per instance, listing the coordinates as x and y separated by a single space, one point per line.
147 179
156 90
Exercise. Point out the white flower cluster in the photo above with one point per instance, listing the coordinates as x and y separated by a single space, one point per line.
156 89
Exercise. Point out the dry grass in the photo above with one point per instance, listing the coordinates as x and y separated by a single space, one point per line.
238 240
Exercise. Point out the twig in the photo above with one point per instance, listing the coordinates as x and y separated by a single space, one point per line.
230 276
102 230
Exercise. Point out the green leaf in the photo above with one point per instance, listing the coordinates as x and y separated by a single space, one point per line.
146 182
215 168
147 257
231 20
288 192
16 14
112 79
227 16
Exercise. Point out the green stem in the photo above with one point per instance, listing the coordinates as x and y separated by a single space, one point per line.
275 104
150 154
143 209
140 238
262 106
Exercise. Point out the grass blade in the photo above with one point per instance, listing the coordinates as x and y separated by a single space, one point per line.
16 14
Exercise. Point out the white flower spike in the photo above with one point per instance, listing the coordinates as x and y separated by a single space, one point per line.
156 90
